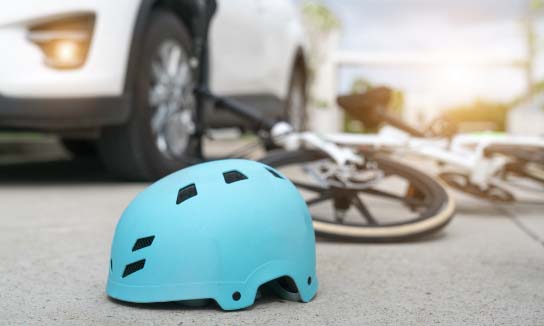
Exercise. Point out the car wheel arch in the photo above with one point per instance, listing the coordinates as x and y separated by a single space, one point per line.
300 60
299 71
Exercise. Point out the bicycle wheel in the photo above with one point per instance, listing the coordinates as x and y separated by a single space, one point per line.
461 182
525 161
402 204
533 171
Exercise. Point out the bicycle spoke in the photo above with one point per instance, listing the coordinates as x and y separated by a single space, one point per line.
364 210
406 200
244 150
324 196
309 187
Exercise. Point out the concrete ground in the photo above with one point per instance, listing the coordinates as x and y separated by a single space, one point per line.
57 220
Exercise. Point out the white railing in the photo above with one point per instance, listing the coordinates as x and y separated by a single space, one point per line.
326 117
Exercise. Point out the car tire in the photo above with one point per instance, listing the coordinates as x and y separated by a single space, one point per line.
137 149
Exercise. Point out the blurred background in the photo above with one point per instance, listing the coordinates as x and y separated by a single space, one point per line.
480 62
67 84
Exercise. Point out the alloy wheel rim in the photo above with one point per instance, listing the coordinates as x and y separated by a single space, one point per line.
171 99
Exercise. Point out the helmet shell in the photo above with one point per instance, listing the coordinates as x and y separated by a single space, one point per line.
221 242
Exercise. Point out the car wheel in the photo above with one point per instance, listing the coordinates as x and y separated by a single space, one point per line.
156 140
295 111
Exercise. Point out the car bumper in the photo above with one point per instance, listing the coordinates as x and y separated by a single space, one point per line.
23 72
50 114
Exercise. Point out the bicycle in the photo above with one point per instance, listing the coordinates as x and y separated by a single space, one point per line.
479 164
337 180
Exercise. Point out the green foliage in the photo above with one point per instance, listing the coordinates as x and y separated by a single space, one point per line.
360 86
18 136
320 16
537 4
538 88
534 7
319 104
479 111
320 21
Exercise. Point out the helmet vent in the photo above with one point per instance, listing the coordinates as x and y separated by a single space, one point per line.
274 173
143 242
133 267
186 193
233 176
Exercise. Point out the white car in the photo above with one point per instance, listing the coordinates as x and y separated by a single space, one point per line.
117 74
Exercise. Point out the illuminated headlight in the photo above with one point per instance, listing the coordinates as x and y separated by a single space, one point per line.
65 42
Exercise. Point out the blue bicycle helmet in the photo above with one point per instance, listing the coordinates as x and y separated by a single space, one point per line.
218 230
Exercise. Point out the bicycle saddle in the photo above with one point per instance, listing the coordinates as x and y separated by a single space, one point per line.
364 106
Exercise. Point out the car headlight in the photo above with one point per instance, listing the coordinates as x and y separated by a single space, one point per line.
65 42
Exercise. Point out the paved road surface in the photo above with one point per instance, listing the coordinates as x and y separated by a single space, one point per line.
57 221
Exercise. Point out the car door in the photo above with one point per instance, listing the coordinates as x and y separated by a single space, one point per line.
237 48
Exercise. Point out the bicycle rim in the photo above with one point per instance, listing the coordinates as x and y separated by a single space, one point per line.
396 215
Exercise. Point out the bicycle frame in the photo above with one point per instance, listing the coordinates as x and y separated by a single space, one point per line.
464 151
281 132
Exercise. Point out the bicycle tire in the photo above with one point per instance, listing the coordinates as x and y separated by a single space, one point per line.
439 212
526 161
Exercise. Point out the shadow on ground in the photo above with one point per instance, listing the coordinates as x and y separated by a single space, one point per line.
88 170
43 160
262 299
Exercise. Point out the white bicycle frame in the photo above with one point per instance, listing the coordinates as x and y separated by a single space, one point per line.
464 151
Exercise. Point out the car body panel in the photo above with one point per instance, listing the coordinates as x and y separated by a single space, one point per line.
24 73
253 50
253 47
